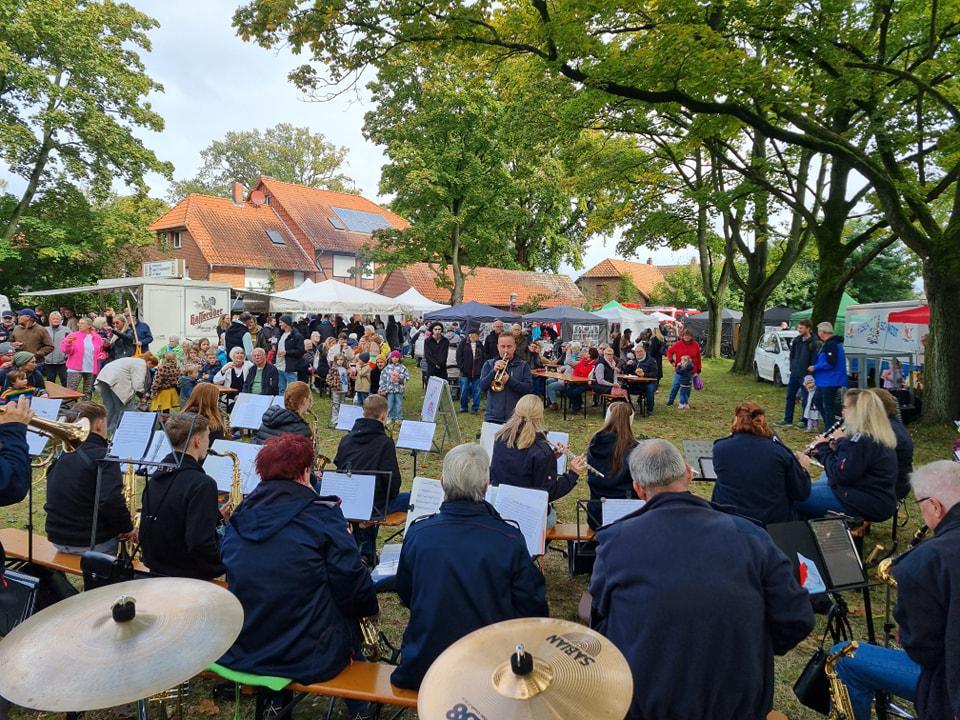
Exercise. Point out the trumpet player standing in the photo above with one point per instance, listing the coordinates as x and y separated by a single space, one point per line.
927 670
509 373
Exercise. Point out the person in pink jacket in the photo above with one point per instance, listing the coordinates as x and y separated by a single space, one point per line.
84 351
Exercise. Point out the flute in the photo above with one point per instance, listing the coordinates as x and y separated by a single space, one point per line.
570 455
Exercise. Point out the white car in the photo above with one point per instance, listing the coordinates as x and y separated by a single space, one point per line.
771 360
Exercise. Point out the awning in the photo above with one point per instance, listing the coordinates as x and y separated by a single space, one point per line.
913 316
331 296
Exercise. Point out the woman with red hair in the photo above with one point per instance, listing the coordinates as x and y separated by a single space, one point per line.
297 572
756 474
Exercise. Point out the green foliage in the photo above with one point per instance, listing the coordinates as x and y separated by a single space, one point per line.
683 288
284 152
627 290
887 277
533 303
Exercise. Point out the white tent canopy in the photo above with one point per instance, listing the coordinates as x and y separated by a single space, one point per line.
416 303
627 318
331 296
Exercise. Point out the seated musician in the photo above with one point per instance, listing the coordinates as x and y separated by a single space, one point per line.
519 381
72 486
680 574
927 670
291 562
180 514
461 569
368 447
904 449
522 456
860 463
608 452
757 476
289 418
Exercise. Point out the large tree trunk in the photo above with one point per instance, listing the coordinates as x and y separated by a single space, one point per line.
751 329
941 371
715 326
826 299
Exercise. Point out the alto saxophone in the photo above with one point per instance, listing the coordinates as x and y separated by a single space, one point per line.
236 484
371 644
841 707
885 566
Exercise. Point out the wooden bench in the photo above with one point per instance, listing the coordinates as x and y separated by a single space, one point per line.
568 532
364 681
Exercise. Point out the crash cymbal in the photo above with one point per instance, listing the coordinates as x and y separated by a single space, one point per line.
90 652
528 669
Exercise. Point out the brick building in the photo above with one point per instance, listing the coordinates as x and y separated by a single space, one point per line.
603 279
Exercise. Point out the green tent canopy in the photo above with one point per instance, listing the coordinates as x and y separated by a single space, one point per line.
838 324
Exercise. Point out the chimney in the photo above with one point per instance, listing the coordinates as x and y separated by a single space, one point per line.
238 193
649 261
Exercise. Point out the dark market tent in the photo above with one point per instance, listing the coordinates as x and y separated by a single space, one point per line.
699 324
575 324
776 315
471 312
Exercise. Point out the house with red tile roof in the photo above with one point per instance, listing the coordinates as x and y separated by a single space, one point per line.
603 279
490 286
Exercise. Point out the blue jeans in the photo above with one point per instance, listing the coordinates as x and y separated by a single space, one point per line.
825 399
575 393
874 668
685 394
285 379
367 537
674 389
395 406
819 502
469 388
648 392
553 387
793 387
359 397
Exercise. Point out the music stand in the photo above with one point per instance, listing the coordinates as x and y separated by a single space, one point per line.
693 450
377 514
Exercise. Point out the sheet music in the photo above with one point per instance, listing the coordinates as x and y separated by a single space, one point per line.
249 409
431 399
707 470
528 508
560 437
425 498
349 414
487 431
48 409
613 510
389 562
491 495
158 450
221 469
416 435
355 493
133 436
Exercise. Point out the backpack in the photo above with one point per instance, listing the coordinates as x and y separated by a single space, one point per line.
333 379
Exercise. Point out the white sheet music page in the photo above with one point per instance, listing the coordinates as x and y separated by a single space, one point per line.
612 509
560 437
528 508
48 409
389 562
221 469
487 431
355 493
248 410
349 414
426 495
133 435
416 435
491 495
158 450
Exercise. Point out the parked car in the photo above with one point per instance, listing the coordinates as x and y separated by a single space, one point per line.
771 360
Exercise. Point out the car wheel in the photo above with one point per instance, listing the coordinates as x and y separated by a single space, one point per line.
756 373
777 380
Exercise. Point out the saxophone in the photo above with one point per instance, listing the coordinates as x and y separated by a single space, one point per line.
841 707
236 483
885 566
371 645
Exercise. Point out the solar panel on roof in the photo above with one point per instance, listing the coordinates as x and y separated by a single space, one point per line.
361 221
275 237
336 222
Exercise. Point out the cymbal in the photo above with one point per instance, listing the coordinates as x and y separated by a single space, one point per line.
566 672
82 654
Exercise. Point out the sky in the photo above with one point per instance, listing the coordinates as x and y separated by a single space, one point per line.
214 83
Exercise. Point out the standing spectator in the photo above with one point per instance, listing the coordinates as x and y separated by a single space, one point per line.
143 334
521 342
289 352
341 347
120 384
646 367
683 375
803 354
684 346
393 380
238 335
69 319
121 339
223 324
7 326
321 365
829 373
656 348
163 392
258 338
362 381
490 342
338 380
55 363
626 343
31 336
435 350
393 333
84 351
470 359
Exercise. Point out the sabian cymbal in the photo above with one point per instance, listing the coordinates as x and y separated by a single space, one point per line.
81 654
575 673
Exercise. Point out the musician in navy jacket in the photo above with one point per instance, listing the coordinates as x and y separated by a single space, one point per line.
904 448
461 569
680 574
757 475
500 405
927 670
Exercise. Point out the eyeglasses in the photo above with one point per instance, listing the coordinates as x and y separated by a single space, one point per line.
921 501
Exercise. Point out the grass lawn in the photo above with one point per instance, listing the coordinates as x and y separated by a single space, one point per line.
709 418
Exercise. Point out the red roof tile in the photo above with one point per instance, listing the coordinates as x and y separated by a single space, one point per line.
645 276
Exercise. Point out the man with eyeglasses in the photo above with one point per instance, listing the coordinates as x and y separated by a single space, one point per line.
927 670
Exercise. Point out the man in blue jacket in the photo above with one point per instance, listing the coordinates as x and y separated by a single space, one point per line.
519 381
803 355
679 574
461 569
829 374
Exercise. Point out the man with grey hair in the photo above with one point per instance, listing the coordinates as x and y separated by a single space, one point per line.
461 569
55 363
927 670
702 596
829 374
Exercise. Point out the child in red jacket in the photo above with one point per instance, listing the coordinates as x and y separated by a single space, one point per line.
685 346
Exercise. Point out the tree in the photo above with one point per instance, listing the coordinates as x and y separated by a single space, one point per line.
683 288
284 152
72 93
627 290
888 276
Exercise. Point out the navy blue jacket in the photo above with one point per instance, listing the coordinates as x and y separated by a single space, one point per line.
500 405
368 447
618 485
928 614
863 474
649 366
144 335
803 354
296 570
534 467
269 380
465 359
904 451
830 369
758 477
460 570
679 574
14 463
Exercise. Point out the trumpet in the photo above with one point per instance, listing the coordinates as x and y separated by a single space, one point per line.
499 381
372 643
571 456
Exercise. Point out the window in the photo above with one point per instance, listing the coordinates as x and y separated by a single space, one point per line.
785 343
275 237
769 343
256 279
297 278
336 222
175 239
343 265
360 221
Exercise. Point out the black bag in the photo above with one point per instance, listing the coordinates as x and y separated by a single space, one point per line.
101 569
811 688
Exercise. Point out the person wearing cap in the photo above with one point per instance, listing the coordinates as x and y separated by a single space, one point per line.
290 351
31 335
25 362
470 359
7 326
829 373
435 351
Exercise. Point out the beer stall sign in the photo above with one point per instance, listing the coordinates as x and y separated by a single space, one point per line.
204 307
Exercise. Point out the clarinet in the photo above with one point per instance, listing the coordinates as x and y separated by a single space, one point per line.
811 448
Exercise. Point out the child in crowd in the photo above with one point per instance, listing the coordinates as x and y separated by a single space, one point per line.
393 379
188 381
211 366
19 387
338 380
810 413
362 382
375 372
685 371
163 391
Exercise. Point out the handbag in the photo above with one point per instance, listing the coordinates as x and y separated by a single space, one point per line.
697 382
811 687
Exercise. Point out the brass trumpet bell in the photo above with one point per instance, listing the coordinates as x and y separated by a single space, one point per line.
70 434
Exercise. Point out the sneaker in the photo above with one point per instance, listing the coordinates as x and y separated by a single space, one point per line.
782 423
801 425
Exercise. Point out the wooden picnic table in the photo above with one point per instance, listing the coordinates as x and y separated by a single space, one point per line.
570 379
